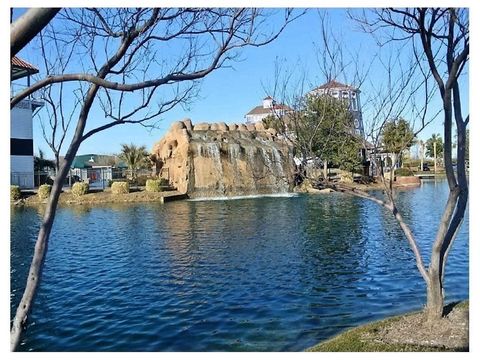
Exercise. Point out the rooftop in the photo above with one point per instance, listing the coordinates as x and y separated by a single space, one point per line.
334 85
90 160
20 68
261 110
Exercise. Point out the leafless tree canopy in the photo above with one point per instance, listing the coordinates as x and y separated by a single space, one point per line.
441 44
422 53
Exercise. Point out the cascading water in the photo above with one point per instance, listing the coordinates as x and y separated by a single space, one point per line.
219 163
211 150
280 173
233 152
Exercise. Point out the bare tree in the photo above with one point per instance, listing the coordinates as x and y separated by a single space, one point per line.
443 53
123 50
57 120
407 91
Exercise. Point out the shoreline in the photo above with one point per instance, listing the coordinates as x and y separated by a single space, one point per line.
140 195
409 332
100 197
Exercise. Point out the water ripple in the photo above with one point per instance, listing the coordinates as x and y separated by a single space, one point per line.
253 274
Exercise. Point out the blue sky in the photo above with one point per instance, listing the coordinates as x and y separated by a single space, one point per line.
229 93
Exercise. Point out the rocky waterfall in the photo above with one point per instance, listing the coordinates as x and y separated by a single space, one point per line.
216 160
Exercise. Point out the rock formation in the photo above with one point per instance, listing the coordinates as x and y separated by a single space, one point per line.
208 160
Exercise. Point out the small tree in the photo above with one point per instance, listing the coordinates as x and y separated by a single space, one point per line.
397 136
136 158
436 142
40 163
273 122
331 123
320 127
348 156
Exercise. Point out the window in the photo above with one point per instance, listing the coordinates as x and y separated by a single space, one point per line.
353 104
345 94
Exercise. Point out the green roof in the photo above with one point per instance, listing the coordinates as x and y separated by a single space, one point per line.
90 160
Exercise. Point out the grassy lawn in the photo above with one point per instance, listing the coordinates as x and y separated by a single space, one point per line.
367 338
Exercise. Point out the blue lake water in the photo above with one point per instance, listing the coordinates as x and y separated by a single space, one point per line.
258 274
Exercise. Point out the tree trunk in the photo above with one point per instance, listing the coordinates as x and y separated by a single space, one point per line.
37 262
434 308
43 235
325 170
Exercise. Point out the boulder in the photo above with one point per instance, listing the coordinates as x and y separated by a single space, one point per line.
272 131
250 127
222 126
188 123
177 125
259 126
242 127
201 126
172 144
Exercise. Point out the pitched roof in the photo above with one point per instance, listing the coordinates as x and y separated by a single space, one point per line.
20 68
334 85
268 98
84 161
257 110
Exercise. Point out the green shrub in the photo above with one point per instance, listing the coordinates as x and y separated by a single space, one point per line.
15 192
156 185
44 191
80 188
403 172
153 185
120 187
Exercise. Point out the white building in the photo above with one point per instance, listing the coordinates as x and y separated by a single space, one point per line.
268 107
21 127
347 93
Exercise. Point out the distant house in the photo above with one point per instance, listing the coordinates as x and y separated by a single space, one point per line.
21 126
268 107
347 93
97 169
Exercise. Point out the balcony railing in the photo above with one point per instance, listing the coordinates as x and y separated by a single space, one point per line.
15 88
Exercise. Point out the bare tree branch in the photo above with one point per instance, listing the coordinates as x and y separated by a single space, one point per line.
25 28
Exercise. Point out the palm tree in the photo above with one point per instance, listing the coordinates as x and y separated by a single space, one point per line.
40 163
434 147
136 158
